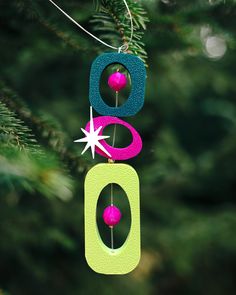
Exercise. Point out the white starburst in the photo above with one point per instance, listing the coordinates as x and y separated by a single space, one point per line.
92 138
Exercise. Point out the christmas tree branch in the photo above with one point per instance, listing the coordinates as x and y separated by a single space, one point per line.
32 10
46 134
113 25
23 163
13 132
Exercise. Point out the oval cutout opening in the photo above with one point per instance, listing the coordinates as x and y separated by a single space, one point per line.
121 230
108 94
123 137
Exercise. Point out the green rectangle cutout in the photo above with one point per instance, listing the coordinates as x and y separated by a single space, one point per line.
99 257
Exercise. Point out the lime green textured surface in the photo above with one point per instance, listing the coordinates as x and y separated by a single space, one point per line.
99 257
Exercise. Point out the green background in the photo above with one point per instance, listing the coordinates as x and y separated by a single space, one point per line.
187 166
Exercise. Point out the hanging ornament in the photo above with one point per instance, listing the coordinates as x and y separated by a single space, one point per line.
103 259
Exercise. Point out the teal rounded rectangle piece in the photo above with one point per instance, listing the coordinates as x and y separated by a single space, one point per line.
137 72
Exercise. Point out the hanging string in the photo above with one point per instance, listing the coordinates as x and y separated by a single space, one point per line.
113 144
114 131
123 47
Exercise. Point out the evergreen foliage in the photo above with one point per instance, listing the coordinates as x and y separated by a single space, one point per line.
13 132
187 166
114 27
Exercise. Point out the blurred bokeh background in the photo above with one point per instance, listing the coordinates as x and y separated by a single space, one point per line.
187 166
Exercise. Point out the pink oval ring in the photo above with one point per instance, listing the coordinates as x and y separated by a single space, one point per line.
117 153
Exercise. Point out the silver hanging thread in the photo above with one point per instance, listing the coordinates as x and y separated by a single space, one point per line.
122 48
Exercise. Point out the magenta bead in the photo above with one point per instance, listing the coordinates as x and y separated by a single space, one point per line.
117 81
111 215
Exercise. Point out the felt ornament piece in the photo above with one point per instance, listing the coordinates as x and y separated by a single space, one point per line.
93 138
111 152
137 72
101 258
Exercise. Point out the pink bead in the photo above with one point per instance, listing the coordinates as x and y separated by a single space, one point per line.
111 215
117 81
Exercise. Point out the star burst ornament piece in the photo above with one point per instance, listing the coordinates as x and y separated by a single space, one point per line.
92 138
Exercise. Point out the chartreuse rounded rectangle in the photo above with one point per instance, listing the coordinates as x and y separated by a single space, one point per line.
101 258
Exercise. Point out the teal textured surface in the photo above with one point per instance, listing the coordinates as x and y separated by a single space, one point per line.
137 72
